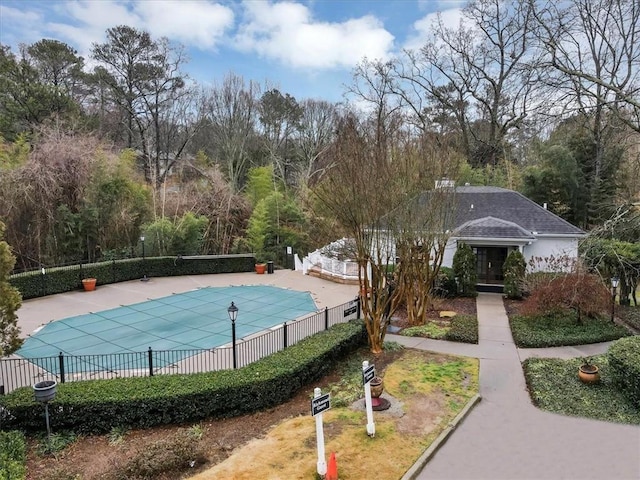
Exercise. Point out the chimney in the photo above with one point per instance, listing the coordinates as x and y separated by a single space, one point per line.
544 205
445 183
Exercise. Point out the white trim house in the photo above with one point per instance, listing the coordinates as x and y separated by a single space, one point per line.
495 221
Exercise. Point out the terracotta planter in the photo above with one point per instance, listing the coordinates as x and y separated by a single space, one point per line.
261 268
89 284
589 374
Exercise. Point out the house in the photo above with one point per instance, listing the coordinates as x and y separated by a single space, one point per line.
495 221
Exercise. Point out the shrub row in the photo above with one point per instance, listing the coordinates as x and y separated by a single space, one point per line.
624 363
539 331
464 328
65 279
97 406
12 455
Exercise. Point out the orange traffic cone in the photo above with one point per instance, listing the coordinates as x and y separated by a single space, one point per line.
332 468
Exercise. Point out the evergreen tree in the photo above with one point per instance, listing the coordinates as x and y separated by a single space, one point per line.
464 268
10 301
514 269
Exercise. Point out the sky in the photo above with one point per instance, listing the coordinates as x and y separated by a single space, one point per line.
307 49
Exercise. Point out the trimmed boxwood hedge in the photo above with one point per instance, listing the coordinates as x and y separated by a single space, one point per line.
624 363
96 406
66 279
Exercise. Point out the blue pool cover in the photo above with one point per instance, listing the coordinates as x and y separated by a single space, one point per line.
186 321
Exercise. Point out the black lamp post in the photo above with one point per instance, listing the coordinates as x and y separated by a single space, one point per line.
233 314
614 288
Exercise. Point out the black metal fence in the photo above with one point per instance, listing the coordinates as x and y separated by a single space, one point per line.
18 372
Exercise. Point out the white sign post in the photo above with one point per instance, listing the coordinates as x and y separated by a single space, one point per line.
368 372
319 404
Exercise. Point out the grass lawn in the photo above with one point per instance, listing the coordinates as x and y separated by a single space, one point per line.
553 331
554 386
432 389
461 328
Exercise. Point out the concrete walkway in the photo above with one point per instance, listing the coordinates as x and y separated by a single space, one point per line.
505 436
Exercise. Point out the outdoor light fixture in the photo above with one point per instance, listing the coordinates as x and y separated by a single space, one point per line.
144 266
614 287
233 315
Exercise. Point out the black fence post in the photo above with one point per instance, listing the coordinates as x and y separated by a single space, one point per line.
284 335
326 318
61 364
150 363
359 312
113 270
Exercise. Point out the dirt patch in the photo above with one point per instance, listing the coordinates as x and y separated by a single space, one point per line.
90 457
423 415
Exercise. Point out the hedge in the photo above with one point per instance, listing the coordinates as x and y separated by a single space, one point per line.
96 406
624 363
66 279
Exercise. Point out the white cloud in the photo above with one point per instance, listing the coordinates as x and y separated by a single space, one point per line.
85 22
22 22
422 30
287 32
193 23
197 23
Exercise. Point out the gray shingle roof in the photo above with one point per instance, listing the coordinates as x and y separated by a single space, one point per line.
490 227
479 202
475 203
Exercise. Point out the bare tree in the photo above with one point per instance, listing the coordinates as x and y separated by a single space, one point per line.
420 227
279 117
57 173
316 132
231 113
593 64
480 75
144 79
594 47
357 189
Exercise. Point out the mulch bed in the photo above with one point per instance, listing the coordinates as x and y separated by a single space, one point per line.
460 305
